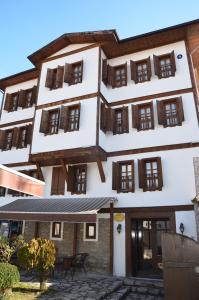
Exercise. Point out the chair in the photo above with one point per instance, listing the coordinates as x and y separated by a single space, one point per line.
78 263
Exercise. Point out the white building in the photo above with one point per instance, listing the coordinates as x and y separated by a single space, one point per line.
111 124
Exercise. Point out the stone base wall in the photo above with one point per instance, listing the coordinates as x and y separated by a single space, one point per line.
99 251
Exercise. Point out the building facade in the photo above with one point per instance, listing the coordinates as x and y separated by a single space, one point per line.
103 118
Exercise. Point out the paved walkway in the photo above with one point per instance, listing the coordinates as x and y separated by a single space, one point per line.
95 287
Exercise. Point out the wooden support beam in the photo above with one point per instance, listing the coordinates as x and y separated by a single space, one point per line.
111 240
64 170
75 239
36 235
40 173
101 170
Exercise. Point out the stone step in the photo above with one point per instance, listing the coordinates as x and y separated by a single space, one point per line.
135 296
119 293
113 287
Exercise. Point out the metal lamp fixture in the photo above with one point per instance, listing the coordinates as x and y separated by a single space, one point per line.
181 228
119 228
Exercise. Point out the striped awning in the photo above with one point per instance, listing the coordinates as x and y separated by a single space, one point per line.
55 209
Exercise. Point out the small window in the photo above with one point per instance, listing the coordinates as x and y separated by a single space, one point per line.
2 191
53 122
15 98
123 176
142 116
54 78
8 140
120 122
170 112
77 73
80 180
120 76
141 70
165 65
56 230
73 118
22 142
90 231
150 173
28 101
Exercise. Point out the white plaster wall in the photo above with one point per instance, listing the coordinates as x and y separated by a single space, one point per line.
119 256
19 114
180 81
189 221
88 85
158 136
84 137
70 48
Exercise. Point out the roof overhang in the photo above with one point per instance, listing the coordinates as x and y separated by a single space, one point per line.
74 210
17 181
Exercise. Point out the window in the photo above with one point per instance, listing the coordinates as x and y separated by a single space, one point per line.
150 174
141 70
11 229
14 105
77 179
142 116
170 112
164 65
123 176
90 231
22 141
114 76
29 100
70 117
54 78
8 140
2 191
118 121
53 122
73 73
56 230
58 181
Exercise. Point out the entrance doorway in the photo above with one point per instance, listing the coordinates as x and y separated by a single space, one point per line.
146 246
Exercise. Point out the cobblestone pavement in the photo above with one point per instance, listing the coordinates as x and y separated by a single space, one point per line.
95 287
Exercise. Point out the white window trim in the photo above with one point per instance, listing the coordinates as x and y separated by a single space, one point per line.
62 229
84 233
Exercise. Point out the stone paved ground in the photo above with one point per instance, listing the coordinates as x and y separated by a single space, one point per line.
96 287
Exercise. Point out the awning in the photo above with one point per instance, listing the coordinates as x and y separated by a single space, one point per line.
20 182
55 209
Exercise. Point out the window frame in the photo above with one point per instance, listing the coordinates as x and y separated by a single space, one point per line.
76 117
83 191
52 228
157 64
86 236
6 140
131 164
145 106
124 120
115 69
49 126
12 102
2 191
19 142
26 96
78 73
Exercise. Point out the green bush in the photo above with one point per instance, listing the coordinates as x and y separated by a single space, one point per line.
9 275
7 248
38 254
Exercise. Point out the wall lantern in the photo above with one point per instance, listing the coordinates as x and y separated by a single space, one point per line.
181 228
119 228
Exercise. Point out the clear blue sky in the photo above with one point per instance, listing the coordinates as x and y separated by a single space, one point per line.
27 25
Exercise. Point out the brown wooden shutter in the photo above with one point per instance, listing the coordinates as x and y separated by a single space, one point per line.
149 68
134 76
34 95
55 181
156 65
104 71
68 73
125 117
110 118
79 110
180 110
115 176
82 70
111 77
29 131
152 115
2 139
64 118
133 176
141 172
126 73
173 63
49 78
22 98
59 77
160 178
71 179
44 121
61 181
8 102
15 136
103 117
160 110
135 117
85 185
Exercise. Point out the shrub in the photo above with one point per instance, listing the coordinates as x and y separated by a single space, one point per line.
7 249
9 275
38 254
